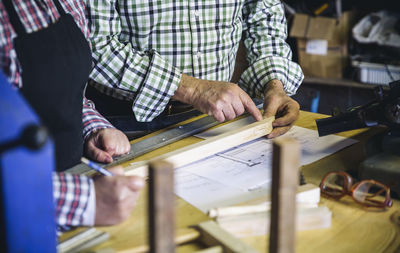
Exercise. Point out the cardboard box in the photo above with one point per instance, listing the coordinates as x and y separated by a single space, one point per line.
322 43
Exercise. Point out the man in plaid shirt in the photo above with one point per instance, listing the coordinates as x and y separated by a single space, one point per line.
79 200
149 52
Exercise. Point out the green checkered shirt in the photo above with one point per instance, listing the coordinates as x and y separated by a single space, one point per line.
142 47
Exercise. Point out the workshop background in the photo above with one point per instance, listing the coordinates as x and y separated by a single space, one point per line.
345 48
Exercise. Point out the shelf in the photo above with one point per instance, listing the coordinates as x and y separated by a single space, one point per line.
340 82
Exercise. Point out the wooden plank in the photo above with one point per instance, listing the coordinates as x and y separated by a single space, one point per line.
208 147
84 240
212 235
215 249
307 195
161 207
285 178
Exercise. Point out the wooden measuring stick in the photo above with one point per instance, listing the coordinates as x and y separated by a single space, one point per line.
285 178
161 207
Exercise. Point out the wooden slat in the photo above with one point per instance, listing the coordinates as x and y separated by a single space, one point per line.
214 235
208 147
84 240
161 207
285 178
215 249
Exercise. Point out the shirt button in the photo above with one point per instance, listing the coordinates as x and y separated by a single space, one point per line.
198 54
196 13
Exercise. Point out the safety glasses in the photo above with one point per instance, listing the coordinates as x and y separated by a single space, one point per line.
368 193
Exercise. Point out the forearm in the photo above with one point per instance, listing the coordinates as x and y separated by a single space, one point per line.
268 53
145 75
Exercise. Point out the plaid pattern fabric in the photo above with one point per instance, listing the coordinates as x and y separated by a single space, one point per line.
141 48
71 192
71 197
36 15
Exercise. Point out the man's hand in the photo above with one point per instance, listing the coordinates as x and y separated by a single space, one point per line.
277 103
102 145
223 100
116 196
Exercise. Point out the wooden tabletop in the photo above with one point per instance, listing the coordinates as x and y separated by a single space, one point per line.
353 228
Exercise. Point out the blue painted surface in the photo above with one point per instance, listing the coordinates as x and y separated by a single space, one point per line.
315 102
26 181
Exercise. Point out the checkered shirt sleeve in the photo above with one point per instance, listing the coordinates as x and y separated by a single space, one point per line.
92 120
71 196
119 66
269 56
140 48
38 14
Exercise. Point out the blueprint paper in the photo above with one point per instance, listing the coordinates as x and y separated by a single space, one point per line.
244 172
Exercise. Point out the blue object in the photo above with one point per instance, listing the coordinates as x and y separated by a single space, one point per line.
96 167
27 213
315 102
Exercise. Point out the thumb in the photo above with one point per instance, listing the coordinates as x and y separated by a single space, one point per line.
98 155
270 109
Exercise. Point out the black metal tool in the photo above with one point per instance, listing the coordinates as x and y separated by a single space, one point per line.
385 110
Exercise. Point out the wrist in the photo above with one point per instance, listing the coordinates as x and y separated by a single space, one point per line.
186 89
274 85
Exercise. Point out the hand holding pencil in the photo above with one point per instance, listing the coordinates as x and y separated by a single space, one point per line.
116 194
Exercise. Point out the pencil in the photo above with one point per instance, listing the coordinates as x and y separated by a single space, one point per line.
96 167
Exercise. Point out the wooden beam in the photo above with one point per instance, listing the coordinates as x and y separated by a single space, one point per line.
161 207
82 241
285 178
214 235
208 147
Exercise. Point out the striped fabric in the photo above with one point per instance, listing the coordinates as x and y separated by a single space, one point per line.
141 48
71 198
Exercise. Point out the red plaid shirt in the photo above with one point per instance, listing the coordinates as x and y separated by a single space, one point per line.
71 192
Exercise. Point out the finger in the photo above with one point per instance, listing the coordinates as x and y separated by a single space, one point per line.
238 107
109 146
218 115
134 183
125 193
129 202
229 112
270 108
122 144
291 114
117 170
250 107
97 154
127 147
278 131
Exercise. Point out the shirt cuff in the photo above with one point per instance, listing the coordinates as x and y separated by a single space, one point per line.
92 120
160 84
89 214
257 76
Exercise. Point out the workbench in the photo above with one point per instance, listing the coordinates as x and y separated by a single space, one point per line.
353 228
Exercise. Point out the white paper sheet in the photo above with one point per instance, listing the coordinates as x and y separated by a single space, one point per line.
313 147
244 172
